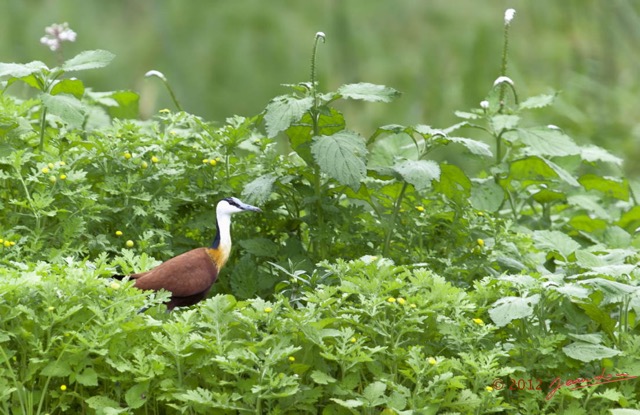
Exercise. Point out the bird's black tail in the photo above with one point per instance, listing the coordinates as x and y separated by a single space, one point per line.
118 277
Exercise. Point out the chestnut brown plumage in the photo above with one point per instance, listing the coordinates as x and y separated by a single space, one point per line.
189 276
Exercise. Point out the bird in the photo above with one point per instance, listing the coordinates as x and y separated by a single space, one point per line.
189 276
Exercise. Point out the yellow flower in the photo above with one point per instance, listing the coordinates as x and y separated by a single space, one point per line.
118 233
478 321
129 243
1 240
51 308
62 163
353 340
45 170
205 161
489 388
12 243
292 359
127 155
401 301
63 387
114 285
63 177
165 111
413 305
391 300
268 309
213 162
155 159
50 165
7 244
480 242
420 208
432 361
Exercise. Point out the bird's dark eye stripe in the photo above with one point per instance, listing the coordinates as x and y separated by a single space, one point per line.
232 202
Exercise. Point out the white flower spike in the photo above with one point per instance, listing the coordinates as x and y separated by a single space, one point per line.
56 34
503 79
508 16
484 105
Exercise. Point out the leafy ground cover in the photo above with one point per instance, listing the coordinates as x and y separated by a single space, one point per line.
379 279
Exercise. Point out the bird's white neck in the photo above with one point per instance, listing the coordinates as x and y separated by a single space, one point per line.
224 231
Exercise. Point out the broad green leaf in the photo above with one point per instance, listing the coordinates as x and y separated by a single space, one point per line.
466 115
73 87
504 122
587 224
57 368
630 220
474 146
508 309
89 59
592 153
341 156
555 241
453 183
284 110
260 247
539 101
368 92
104 405
618 411
599 316
572 290
322 378
548 196
536 169
593 338
616 237
590 203
587 352
300 134
613 291
373 392
128 105
610 186
136 396
350 403
258 190
419 173
244 278
588 260
543 141
19 70
487 195
88 377
68 108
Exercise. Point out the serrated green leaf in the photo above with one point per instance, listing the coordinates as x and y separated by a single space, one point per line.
73 87
466 115
453 183
543 141
373 392
341 156
300 134
611 186
136 396
68 108
593 153
259 190
504 122
630 220
508 309
539 101
88 377
368 92
89 59
284 110
555 241
419 173
587 352
613 291
474 146
261 247
19 70
487 196
349 403
104 405
244 280
128 105
539 170
57 368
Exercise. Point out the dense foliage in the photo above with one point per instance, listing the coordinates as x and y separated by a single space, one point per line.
378 279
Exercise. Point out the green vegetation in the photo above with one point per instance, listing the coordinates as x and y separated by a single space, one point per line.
379 280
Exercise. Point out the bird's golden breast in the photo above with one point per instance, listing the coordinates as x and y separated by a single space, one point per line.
219 256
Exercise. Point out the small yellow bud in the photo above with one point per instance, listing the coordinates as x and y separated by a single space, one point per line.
432 361
127 156
118 233
165 111
7 244
480 242
353 340
268 309
478 321
213 162
413 305
144 165
51 165
51 308
420 208
155 159
391 300
53 179
62 163
114 285
45 170
401 301
292 359
489 388
205 161
12 243
129 243
63 177
63 387
173 132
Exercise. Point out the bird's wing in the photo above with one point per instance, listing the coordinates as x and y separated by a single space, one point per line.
187 274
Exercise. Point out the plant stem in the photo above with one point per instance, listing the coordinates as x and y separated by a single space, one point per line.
392 221
43 119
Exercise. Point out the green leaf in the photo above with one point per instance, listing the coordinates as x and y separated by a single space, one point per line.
136 396
543 141
301 133
610 186
555 241
88 377
587 352
504 122
128 105
419 173
350 403
630 220
284 110
487 195
373 392
258 190
244 278
453 183
104 405
68 108
89 59
613 291
260 247
20 70
57 368
73 87
474 146
322 378
538 101
341 156
368 92
538 170
618 411
594 153
512 308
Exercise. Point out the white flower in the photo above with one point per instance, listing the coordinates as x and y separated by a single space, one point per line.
503 79
508 16
553 127
155 73
320 35
56 34
484 104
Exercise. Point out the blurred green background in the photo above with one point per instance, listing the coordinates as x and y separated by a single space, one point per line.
231 57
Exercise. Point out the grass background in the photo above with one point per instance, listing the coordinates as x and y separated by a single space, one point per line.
226 58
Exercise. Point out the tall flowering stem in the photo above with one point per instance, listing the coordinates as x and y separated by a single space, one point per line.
319 245
508 18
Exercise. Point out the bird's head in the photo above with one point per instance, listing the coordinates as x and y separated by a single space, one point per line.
231 205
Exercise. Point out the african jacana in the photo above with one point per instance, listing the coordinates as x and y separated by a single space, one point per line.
189 276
